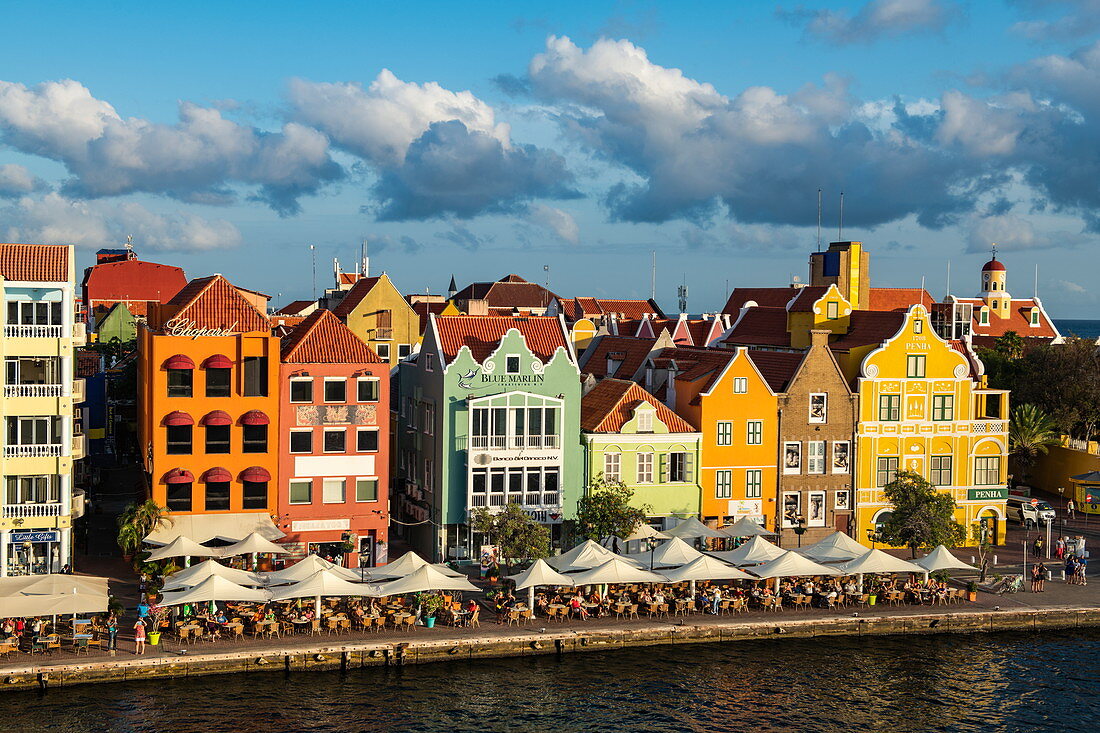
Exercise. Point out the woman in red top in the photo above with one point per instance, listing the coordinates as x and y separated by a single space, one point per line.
139 637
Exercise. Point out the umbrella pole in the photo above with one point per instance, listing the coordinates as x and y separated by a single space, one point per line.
692 589
531 597
187 561
860 582
317 607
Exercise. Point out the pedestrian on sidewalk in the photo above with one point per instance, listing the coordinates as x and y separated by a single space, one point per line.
1037 548
139 637
1035 578
1041 569
1082 566
112 634
1060 549
1069 508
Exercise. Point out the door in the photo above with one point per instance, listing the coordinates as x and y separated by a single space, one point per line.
843 522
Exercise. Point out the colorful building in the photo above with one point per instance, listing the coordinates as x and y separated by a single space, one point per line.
488 414
377 313
208 401
42 437
120 277
631 436
333 444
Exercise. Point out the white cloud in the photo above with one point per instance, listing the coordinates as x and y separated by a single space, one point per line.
54 219
1071 287
561 223
15 180
1013 233
875 20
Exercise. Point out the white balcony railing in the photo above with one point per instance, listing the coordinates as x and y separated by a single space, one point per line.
515 442
33 451
20 331
26 511
544 500
34 390
988 426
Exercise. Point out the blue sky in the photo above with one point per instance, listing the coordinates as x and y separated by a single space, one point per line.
486 138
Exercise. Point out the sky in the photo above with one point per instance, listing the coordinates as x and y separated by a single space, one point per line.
565 142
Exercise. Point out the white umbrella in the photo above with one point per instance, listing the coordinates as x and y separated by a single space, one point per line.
323 584
791 564
183 547
877 561
539 574
195 574
399 568
586 555
253 544
745 527
692 528
616 570
306 567
645 532
941 559
214 588
705 568
836 547
396 570
669 554
425 579
52 604
754 552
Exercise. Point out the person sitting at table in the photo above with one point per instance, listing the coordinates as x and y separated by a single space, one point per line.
540 604
578 608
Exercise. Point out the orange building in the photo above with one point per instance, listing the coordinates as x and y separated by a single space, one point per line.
209 408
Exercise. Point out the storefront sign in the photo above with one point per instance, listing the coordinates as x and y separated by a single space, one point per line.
752 507
320 525
19 537
992 494
189 329
544 516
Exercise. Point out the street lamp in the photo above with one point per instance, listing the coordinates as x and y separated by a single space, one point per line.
872 536
800 527
652 546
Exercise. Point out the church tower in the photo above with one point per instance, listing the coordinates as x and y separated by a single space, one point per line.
994 294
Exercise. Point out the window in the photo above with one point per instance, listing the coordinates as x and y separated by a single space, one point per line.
815 459
511 365
367 390
994 305
255 439
217 439
366 489
792 508
429 474
679 467
819 407
34 313
332 490
832 309
335 440
179 382
217 496
792 458
984 319
754 483
34 431
179 440
219 382
179 497
301 389
723 484
987 471
383 351
33 489
612 466
940 473
645 421
255 376
740 385
1034 316
918 326
429 418
366 441
886 470
914 364
889 407
645 468
943 407
429 362
255 495
842 457
403 350
725 432
301 491
301 441
336 390
754 432
815 509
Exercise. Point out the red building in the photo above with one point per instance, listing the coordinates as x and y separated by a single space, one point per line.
334 444
120 277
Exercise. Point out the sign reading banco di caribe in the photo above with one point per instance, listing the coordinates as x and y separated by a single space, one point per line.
993 493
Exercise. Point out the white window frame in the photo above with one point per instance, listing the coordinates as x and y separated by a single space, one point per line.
824 400
832 310
334 380
724 433
311 392
645 421
820 521
383 351
368 380
795 469
916 366
359 431
815 457
311 445
848 455
324 448
613 466
519 363
644 473
723 484
325 485
377 490
740 385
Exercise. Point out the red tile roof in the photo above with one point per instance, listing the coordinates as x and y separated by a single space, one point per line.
213 302
576 308
354 297
760 326
295 307
804 299
611 404
695 363
132 281
482 334
349 278
511 291
322 338
770 297
702 331
777 367
87 362
424 310
869 327
896 299
35 262
1019 320
630 352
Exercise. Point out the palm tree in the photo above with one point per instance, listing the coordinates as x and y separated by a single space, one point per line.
1011 344
1030 435
137 521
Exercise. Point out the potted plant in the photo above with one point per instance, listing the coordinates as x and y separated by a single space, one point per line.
972 591
158 617
430 604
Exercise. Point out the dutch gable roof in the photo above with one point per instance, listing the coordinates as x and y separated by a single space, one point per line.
355 296
611 404
544 335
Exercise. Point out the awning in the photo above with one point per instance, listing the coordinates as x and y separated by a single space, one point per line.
255 417
216 474
255 473
48 595
178 476
179 361
176 417
217 361
216 417
228 527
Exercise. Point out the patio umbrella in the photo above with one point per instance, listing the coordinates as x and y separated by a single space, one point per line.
877 561
306 567
791 564
215 588
183 547
616 570
692 528
425 579
253 544
754 552
539 574
195 574
704 567
941 559
586 555
745 527
323 584
404 566
836 547
645 532
672 553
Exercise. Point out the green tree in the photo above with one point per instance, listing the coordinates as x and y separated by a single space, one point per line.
1030 435
136 522
1010 345
921 516
605 509
518 536
982 538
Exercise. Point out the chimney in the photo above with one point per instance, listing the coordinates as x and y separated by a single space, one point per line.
819 337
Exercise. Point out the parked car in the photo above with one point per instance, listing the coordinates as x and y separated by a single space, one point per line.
1023 510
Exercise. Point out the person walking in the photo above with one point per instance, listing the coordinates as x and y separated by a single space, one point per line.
1069 508
1037 548
1041 571
112 634
1060 549
1082 566
715 601
139 637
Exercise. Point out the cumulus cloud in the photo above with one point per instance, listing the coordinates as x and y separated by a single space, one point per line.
55 219
198 158
1012 233
461 235
15 181
1079 18
561 223
437 152
875 20
379 243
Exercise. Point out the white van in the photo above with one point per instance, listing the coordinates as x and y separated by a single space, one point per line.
1030 515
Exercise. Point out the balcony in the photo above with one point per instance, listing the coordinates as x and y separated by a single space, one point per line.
514 442
34 390
533 500
21 331
382 334
34 451
28 511
80 392
983 427
78 447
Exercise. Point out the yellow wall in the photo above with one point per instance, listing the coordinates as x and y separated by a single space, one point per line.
363 320
1054 469
800 324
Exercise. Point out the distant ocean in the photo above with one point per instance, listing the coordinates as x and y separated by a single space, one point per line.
1084 329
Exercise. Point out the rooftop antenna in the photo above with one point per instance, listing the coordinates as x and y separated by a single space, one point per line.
365 262
313 254
949 277
840 226
653 277
682 295
546 294
922 290
1035 290
819 220
130 242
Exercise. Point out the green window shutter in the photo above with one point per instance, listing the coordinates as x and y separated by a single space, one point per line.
689 461
664 468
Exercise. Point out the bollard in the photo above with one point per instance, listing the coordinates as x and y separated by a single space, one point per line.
994 559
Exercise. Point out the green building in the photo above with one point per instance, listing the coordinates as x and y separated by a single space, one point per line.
116 324
488 413
631 436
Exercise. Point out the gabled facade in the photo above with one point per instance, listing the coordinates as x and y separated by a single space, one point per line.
489 414
631 436
377 313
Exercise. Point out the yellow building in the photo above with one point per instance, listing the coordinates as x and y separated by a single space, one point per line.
923 408
378 313
41 438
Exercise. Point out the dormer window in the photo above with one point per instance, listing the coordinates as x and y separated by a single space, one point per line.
983 317
832 310
1034 316
918 326
645 422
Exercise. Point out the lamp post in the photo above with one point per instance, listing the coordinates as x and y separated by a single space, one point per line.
800 528
872 536
652 547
